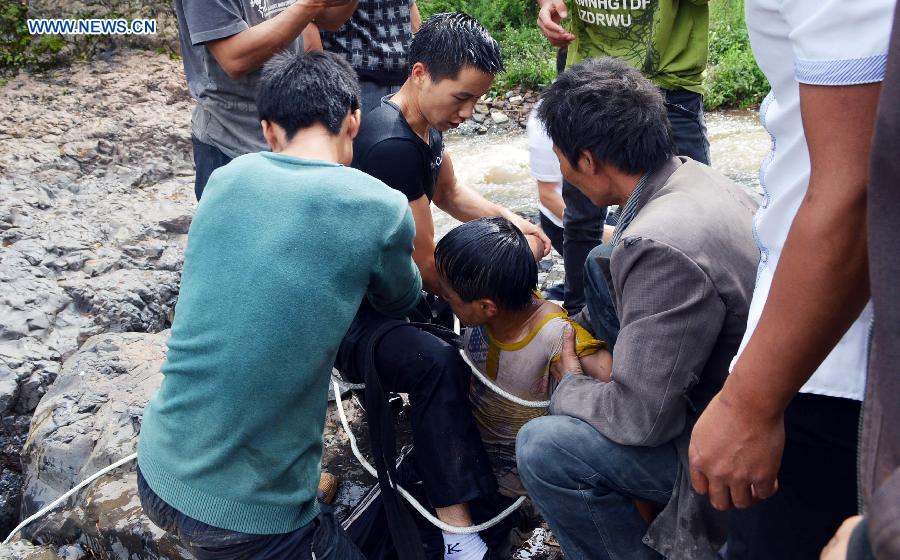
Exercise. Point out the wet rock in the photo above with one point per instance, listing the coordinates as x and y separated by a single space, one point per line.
95 205
91 415
499 117
128 300
23 550
10 498
9 389
177 224
106 521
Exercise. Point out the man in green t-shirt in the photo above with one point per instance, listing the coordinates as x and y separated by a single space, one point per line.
667 40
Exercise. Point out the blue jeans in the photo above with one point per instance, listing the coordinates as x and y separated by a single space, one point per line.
584 484
583 221
322 538
207 159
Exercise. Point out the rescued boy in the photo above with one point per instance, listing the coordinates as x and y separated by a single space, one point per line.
488 275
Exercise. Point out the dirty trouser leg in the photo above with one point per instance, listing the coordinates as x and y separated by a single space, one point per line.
598 297
449 455
585 485
582 231
321 538
685 110
207 159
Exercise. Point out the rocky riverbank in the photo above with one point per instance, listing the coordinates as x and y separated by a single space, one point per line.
95 173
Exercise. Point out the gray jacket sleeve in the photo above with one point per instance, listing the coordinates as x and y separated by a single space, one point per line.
670 315
884 518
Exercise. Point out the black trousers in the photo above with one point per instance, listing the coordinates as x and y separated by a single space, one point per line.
207 159
449 455
553 231
817 485
322 538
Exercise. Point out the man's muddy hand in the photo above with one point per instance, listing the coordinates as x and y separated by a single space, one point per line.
735 453
568 361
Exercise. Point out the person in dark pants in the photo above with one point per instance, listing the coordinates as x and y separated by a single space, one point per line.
667 42
453 61
224 43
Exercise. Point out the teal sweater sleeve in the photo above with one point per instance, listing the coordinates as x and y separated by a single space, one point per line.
396 284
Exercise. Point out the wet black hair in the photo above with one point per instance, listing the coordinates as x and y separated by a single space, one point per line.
488 258
296 92
447 42
609 108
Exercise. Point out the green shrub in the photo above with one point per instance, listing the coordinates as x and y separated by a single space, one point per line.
17 47
530 60
495 15
733 79
14 37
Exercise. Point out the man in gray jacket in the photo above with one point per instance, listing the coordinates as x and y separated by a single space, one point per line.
670 295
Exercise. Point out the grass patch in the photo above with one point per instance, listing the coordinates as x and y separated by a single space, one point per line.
17 47
733 80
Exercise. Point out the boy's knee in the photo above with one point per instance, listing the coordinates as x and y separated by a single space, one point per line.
443 367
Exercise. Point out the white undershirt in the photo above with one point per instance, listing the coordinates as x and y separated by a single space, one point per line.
821 42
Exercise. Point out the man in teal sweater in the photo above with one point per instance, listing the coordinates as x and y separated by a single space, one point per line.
231 444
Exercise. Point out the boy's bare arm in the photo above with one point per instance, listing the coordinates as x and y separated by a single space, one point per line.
598 365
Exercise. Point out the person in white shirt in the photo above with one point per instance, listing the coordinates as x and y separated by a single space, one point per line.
796 383
545 170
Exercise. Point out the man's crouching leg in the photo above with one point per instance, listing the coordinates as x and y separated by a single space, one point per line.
322 538
585 485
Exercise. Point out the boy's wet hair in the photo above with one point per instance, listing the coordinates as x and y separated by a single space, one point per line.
488 258
296 92
609 108
447 42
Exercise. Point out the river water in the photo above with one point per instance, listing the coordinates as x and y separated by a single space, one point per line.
496 165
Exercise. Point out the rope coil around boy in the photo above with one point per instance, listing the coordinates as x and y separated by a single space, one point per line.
338 384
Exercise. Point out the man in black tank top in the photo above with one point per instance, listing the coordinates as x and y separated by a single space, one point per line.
453 61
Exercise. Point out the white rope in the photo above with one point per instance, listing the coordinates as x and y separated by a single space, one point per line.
412 501
493 386
337 384
65 496
497 389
